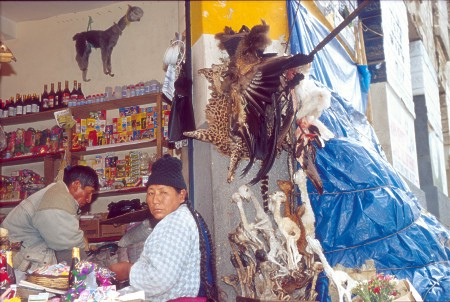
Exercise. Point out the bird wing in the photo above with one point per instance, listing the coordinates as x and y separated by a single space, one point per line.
254 106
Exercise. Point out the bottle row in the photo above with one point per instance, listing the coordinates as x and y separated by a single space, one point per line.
32 103
49 100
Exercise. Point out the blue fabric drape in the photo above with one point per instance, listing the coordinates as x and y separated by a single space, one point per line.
367 211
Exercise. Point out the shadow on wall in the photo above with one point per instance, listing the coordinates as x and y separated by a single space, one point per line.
6 70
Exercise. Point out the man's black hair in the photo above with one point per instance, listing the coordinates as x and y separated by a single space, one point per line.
86 175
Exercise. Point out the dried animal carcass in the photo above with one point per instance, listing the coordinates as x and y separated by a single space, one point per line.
250 105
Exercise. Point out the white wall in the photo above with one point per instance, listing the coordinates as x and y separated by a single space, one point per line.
46 52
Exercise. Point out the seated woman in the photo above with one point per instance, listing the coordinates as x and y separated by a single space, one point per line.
177 261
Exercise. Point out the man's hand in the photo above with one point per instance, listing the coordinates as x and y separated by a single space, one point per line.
122 270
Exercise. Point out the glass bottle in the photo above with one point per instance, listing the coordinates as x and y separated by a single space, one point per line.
66 95
12 107
10 268
58 96
19 104
75 260
44 99
51 97
28 103
74 92
35 103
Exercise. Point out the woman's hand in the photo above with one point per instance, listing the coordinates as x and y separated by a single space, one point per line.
122 270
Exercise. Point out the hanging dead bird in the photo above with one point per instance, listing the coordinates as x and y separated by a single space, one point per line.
248 100
103 39
311 132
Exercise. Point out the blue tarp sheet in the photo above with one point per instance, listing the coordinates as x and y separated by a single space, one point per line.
367 211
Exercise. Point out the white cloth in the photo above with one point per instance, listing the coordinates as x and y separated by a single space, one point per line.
169 266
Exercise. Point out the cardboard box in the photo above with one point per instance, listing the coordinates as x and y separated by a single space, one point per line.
90 227
109 230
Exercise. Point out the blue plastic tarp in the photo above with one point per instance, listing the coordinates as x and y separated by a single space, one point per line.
367 211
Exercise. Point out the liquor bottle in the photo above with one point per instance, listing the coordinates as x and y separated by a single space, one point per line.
10 268
74 92
1 108
44 99
28 103
35 103
6 108
59 97
80 96
75 260
66 95
51 97
12 107
79 91
19 105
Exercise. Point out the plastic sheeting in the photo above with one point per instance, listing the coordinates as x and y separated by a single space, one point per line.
345 77
367 211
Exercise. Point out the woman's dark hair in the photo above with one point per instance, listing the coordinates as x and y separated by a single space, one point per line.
208 272
86 175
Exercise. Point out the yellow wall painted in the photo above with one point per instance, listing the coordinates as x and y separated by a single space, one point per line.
210 17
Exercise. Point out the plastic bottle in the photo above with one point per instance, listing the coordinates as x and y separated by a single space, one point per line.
147 87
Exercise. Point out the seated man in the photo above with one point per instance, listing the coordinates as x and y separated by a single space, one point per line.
175 260
46 222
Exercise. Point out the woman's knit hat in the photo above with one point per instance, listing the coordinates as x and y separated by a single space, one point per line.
167 171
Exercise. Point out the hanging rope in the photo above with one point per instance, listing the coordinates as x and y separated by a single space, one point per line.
90 21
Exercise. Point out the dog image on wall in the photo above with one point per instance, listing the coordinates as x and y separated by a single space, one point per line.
103 39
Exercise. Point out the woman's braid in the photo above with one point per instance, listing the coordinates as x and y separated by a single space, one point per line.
210 289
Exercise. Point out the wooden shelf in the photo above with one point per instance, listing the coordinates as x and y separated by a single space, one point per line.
9 204
104 239
28 159
83 111
135 216
115 147
124 191
28 118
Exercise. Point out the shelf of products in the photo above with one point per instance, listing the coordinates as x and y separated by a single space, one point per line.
9 204
27 159
74 155
83 111
124 191
114 147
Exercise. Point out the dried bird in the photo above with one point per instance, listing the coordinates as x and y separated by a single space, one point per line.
312 100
